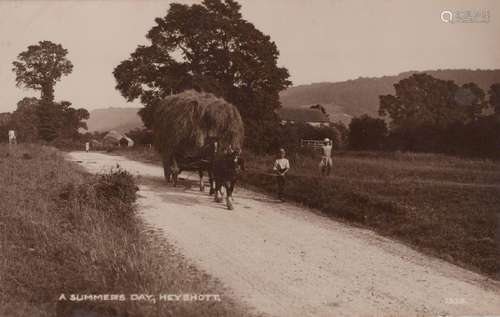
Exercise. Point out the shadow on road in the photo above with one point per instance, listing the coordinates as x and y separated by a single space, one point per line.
185 194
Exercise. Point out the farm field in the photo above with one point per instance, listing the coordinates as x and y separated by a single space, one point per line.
442 205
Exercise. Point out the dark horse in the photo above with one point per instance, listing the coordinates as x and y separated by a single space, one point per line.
226 171
201 162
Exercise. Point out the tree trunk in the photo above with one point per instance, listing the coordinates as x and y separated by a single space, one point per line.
48 92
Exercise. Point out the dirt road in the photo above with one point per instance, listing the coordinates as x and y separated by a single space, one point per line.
286 261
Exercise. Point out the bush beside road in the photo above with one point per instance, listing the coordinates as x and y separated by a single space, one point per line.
64 231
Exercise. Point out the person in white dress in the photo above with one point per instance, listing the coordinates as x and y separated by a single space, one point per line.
281 167
325 164
12 137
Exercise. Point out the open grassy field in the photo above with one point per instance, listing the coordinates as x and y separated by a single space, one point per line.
65 232
441 205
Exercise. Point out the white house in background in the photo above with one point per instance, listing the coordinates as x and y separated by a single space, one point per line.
112 138
125 141
313 117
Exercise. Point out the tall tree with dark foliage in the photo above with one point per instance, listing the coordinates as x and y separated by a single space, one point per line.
367 133
37 119
41 66
494 99
429 114
424 100
208 47
25 119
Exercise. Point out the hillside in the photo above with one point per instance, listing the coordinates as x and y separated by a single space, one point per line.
359 96
119 119
342 100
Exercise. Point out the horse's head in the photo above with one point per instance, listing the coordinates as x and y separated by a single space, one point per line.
235 163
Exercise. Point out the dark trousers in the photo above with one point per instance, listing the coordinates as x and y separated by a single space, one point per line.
281 185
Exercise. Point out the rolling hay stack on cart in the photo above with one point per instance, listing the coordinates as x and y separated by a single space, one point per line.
184 123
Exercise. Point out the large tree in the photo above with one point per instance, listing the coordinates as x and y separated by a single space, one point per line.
207 47
37 119
25 119
494 99
422 100
429 114
41 66
60 120
72 119
367 133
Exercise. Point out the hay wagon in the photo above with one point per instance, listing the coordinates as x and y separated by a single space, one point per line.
190 127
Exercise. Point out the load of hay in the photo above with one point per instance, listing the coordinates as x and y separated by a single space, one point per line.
184 123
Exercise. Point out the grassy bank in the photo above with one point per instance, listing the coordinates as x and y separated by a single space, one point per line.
441 205
444 206
66 232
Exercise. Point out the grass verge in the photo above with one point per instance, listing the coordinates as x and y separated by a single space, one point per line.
66 232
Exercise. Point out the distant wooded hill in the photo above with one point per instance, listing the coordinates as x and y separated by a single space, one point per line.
119 119
345 99
342 100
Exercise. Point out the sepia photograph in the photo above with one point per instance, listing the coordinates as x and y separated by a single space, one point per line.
249 158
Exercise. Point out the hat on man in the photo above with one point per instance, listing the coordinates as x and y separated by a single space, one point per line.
326 140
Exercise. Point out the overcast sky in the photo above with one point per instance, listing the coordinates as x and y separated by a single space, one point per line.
319 40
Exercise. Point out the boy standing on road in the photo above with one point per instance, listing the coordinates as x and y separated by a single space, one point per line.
281 167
